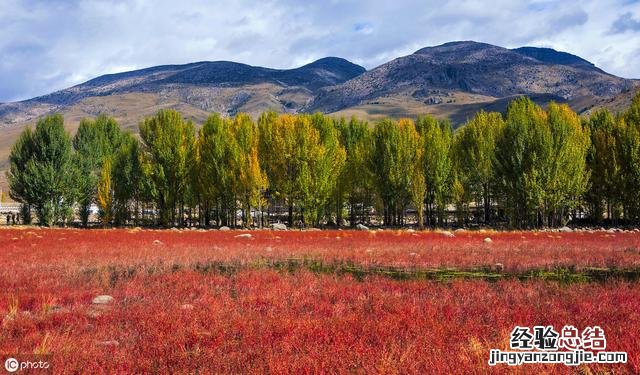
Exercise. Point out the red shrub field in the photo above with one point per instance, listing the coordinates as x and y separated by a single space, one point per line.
309 301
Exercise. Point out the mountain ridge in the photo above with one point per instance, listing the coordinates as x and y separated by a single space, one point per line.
447 80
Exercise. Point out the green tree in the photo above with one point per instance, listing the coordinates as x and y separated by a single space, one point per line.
42 172
168 145
629 156
325 158
127 176
249 180
604 165
474 154
438 139
395 152
523 155
95 141
567 177
355 183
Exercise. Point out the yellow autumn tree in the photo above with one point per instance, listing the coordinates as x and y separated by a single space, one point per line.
105 196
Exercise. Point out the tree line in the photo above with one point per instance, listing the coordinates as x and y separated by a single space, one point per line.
530 167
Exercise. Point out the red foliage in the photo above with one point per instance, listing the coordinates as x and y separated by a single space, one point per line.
181 321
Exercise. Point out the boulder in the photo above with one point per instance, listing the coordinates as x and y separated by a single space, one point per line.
446 233
278 226
244 235
362 227
488 240
102 300
565 229
225 228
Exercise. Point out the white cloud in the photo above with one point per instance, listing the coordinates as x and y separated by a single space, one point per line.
49 45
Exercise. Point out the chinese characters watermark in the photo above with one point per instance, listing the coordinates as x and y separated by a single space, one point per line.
546 345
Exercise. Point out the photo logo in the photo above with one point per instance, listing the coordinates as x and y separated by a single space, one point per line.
11 364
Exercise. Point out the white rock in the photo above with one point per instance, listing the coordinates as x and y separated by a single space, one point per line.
102 300
278 226
157 242
362 227
488 240
186 306
446 233
565 229
244 235
225 228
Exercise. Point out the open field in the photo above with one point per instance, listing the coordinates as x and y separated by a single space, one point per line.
310 301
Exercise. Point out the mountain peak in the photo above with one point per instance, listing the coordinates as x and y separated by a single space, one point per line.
460 45
551 56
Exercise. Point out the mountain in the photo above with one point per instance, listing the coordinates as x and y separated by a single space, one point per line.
196 88
456 79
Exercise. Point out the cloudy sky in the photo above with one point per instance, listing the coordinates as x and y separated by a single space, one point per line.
47 45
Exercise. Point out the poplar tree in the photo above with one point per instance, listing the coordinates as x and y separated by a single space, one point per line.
105 193
523 155
393 162
127 176
438 139
42 172
168 143
355 183
94 142
475 148
567 176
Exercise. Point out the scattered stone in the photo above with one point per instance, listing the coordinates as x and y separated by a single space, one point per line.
499 267
278 226
362 227
488 240
187 306
244 235
157 242
225 228
565 229
102 300
446 233
413 254
611 231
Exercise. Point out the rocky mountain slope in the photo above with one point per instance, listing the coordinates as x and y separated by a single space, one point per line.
451 80
219 86
448 79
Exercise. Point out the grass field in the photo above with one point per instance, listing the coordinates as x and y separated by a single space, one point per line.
310 301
